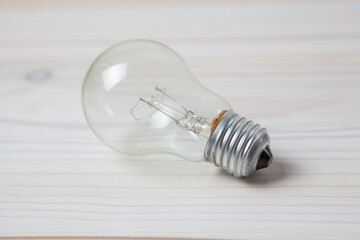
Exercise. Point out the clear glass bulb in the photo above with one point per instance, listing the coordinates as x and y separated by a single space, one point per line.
139 97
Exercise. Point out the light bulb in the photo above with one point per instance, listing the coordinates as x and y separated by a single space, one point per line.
139 97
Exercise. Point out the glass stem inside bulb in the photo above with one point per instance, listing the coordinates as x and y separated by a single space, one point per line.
167 105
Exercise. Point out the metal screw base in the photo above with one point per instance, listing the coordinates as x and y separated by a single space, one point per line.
238 146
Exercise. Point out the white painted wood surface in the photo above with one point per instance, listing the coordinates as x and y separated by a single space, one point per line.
294 67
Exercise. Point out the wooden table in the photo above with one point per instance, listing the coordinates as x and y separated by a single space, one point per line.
293 66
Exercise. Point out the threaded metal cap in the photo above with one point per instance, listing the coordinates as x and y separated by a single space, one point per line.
238 146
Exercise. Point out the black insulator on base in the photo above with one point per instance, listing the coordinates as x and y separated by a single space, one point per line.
264 159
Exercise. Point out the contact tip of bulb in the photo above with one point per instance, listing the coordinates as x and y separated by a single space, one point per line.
264 159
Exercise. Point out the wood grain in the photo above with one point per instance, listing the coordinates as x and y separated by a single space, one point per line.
293 66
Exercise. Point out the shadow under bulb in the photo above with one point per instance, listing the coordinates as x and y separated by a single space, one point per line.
139 97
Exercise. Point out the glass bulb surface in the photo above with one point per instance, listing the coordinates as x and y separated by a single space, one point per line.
139 97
